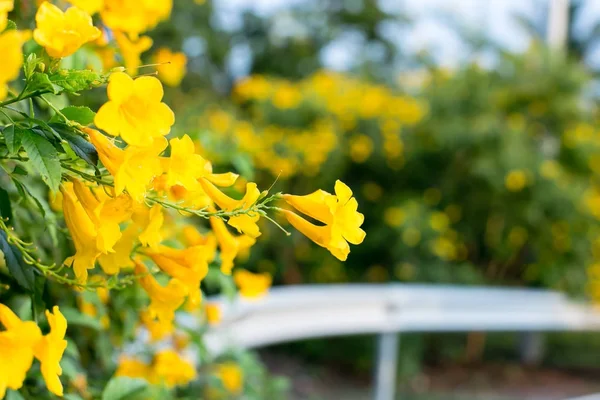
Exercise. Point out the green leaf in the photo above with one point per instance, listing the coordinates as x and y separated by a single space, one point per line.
40 83
20 171
10 26
5 206
73 80
84 149
13 395
18 268
44 158
30 65
42 205
82 115
77 318
12 137
122 387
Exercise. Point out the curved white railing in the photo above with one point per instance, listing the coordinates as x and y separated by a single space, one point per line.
299 312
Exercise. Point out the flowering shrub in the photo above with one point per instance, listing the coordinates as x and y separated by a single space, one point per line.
148 224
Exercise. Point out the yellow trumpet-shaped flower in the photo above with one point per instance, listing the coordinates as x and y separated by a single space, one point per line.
189 265
192 237
16 349
83 232
131 50
120 257
151 221
135 16
339 214
106 214
134 110
61 34
244 223
134 168
212 312
6 6
158 329
49 350
183 167
171 66
229 245
11 43
232 377
133 368
164 300
89 6
172 369
252 285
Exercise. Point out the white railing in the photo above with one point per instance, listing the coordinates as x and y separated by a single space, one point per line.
301 312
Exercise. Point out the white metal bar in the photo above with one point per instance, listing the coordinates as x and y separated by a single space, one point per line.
387 362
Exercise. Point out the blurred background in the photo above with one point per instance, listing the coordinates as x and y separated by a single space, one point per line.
468 130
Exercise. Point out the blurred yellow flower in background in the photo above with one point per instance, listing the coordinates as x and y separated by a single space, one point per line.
252 285
6 6
172 66
89 6
232 377
516 180
11 43
131 50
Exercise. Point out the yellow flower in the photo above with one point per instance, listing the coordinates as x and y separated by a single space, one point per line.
183 167
252 285
89 6
6 6
192 237
61 34
188 265
339 214
12 57
133 168
120 257
133 368
135 16
83 232
244 223
16 347
172 66
213 313
163 300
132 50
158 329
516 180
152 221
232 377
106 214
49 350
171 369
229 245
135 110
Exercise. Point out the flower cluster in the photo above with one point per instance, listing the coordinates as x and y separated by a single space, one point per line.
343 112
139 209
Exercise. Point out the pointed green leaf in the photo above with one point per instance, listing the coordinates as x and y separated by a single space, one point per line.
44 158
84 149
18 268
12 139
82 115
